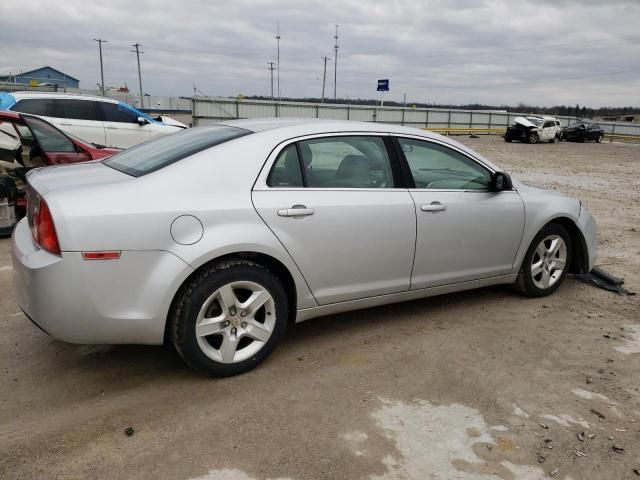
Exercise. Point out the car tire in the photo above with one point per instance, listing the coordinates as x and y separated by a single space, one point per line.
540 274
533 138
555 139
215 328
507 139
599 139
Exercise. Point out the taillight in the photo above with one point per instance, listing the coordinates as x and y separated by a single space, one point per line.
43 229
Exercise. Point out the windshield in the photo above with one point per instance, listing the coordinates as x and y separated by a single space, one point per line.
156 154
536 121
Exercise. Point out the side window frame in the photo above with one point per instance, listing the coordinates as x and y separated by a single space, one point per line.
407 170
397 172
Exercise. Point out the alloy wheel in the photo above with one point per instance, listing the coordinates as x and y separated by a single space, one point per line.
548 262
235 322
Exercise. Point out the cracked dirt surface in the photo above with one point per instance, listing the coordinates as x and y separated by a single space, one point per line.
479 385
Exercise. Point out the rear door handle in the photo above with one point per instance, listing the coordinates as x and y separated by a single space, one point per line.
433 207
67 124
296 211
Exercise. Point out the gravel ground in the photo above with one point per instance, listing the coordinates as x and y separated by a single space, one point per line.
478 385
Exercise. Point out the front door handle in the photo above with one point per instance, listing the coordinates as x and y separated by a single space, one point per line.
296 211
433 207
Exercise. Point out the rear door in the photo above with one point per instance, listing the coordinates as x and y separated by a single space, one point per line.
465 231
121 125
79 117
336 205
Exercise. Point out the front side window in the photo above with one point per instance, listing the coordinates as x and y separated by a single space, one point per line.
75 109
48 137
346 162
434 166
548 124
115 112
34 106
158 153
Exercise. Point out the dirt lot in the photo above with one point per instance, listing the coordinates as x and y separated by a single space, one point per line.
479 385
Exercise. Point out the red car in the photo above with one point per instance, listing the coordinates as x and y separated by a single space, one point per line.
28 142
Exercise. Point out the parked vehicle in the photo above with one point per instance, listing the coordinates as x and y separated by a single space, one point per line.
582 131
533 130
27 142
218 237
97 120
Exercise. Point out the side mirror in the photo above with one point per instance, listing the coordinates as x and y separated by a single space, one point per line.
142 121
501 182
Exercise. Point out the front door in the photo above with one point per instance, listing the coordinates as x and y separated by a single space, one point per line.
121 125
464 230
333 205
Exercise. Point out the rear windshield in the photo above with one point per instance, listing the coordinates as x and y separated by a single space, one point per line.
158 153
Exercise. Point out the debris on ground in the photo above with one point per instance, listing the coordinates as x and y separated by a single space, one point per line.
554 472
602 279
581 436
617 448
597 413
129 431
580 453
589 380
546 427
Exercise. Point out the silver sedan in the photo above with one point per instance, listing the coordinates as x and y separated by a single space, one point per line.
215 239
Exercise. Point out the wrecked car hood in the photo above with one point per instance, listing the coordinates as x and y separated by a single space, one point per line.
524 122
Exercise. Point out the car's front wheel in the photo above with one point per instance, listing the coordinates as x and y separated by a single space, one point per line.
229 318
533 137
600 137
546 263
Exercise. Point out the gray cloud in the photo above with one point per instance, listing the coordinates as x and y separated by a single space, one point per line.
540 52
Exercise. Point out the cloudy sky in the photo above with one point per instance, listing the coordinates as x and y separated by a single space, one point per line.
542 52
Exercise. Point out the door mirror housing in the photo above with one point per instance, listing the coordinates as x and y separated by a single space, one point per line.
142 121
501 182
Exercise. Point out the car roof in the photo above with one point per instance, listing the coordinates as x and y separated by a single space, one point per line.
21 95
283 129
9 115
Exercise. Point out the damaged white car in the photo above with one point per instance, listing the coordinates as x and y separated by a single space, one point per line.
534 129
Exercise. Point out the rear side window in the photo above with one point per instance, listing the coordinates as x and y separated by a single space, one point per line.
115 112
75 109
286 169
548 124
34 106
160 152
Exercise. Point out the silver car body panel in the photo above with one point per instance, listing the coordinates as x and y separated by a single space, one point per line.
127 301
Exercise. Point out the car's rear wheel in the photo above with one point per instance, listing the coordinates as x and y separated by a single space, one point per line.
546 263
533 137
229 318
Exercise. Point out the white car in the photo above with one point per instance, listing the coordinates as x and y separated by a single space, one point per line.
97 120
534 129
217 238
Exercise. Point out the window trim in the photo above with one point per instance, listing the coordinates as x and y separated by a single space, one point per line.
49 114
261 180
407 170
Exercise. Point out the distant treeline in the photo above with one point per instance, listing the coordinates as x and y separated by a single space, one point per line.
564 110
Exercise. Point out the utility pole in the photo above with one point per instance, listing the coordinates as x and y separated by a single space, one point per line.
324 75
271 68
335 68
278 56
100 42
138 52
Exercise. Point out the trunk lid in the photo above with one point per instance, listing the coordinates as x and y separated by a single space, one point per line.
72 176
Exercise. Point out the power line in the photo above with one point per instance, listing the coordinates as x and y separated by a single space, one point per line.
138 52
100 42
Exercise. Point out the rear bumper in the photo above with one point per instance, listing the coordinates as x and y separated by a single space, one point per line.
95 302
